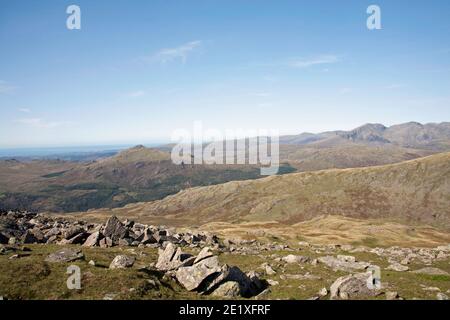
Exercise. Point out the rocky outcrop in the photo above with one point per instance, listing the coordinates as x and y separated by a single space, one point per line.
30 228
206 275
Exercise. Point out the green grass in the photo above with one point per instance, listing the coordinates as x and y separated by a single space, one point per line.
33 278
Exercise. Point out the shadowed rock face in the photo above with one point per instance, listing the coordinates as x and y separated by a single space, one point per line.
206 275
114 229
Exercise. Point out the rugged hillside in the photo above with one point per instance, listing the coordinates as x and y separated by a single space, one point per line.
136 174
412 191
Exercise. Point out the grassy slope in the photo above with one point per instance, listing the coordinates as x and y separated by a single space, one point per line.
414 191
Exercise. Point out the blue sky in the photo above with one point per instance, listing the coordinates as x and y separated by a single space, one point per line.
137 70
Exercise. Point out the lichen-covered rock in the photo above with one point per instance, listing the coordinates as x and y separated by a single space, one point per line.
93 239
65 255
122 262
352 286
229 289
172 258
342 265
193 277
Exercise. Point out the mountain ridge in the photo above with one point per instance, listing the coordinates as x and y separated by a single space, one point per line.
413 191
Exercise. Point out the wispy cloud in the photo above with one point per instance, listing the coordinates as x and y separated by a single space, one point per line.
136 94
395 86
25 110
6 88
313 61
173 54
41 123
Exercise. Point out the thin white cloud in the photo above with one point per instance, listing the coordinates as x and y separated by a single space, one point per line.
25 110
136 94
41 123
313 61
6 88
179 53
395 86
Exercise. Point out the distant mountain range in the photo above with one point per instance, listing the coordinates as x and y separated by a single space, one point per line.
413 135
145 174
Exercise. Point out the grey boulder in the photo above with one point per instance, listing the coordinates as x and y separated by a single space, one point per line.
65 255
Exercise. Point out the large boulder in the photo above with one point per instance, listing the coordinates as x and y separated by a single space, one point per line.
93 239
65 255
352 287
193 277
248 287
72 232
114 229
122 262
172 258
